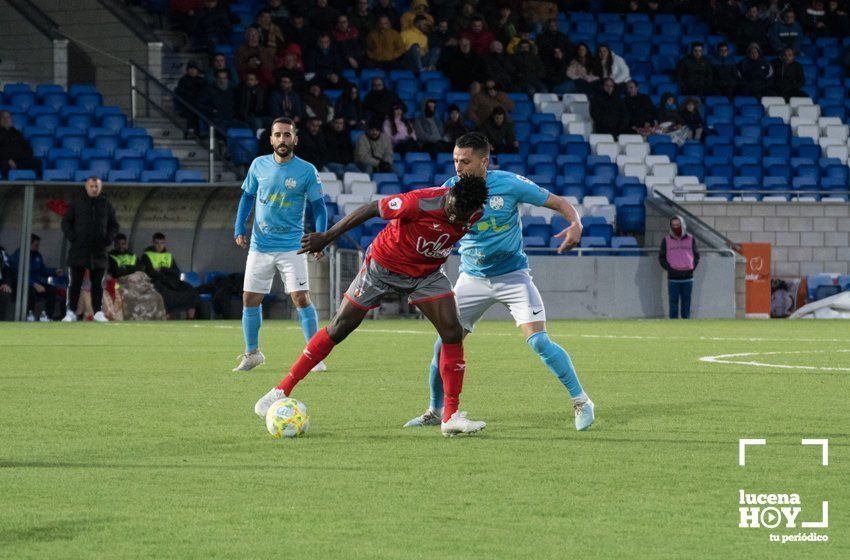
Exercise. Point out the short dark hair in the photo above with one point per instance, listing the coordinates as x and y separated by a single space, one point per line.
222 71
470 193
723 44
285 120
696 44
158 235
475 140
34 237
120 236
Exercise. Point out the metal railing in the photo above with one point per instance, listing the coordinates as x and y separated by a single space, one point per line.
701 230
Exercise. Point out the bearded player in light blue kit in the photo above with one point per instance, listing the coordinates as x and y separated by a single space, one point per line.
281 184
494 269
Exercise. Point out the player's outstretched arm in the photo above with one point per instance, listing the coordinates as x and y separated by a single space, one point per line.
572 234
315 242
246 204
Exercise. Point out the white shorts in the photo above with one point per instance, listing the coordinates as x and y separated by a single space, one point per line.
261 267
515 290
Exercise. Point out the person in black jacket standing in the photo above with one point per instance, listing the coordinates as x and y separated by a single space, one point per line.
788 76
90 226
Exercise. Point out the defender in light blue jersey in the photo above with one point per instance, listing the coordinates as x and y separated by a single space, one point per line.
277 187
494 269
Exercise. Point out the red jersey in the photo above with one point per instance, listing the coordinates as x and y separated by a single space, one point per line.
419 237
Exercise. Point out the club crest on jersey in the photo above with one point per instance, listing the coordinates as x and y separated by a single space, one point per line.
394 204
289 183
497 202
434 249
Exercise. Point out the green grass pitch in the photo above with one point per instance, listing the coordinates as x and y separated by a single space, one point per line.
136 441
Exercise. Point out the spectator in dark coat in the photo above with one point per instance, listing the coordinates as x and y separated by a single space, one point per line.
429 129
340 147
15 150
725 71
837 18
786 33
210 26
552 39
695 74
190 88
461 66
323 58
500 132
643 115
497 67
556 79
299 32
39 285
379 102
755 73
317 104
692 117
454 127
219 62
814 19
527 70
284 102
608 111
311 144
751 29
348 43
218 101
250 101
89 226
323 17
351 108
788 77
361 17
386 8
7 286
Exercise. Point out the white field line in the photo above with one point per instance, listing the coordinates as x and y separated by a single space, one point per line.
724 359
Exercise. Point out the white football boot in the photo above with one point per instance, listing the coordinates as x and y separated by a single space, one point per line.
430 418
459 424
70 317
320 367
264 404
44 318
99 317
250 360
584 414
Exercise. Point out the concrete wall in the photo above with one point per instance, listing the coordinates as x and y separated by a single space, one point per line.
621 287
807 237
25 45
89 22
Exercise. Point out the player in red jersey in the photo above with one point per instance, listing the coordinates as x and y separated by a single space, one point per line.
406 257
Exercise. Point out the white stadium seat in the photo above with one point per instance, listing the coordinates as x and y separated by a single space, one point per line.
824 122
594 201
583 128
607 211
838 152
780 111
651 181
799 101
351 176
554 107
808 111
774 198
824 142
665 189
570 98
837 131
630 139
664 170
638 170
808 131
772 101
568 118
572 200
685 180
610 149
332 188
597 138
541 98
363 188
344 199
623 160
638 150
541 211
652 160
797 122
327 176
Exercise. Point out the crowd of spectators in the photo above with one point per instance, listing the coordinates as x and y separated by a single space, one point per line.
297 50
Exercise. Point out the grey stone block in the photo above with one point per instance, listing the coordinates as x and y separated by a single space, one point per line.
842 253
842 224
776 224
739 209
800 224
727 225
835 239
824 253
762 209
837 210
786 269
763 237
715 209
825 224
787 239
811 239
787 210
812 267
752 224
811 209
799 254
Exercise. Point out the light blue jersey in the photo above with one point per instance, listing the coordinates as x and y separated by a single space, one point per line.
282 190
494 244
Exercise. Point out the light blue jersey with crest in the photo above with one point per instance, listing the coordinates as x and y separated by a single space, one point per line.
282 191
493 246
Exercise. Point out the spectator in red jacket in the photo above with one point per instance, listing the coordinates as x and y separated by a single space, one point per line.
479 38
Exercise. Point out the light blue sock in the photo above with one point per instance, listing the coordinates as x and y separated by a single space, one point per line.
252 320
435 380
557 360
309 321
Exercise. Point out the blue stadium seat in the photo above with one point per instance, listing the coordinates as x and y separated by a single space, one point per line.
387 188
42 90
81 175
188 176
122 176
76 89
75 143
604 231
130 132
155 176
578 149
813 282
631 215
166 165
593 242
41 145
535 242
48 121
625 242
88 101
411 157
132 164
80 122
58 175
21 102
21 175
424 168
113 122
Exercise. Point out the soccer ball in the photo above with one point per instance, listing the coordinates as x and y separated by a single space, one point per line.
287 418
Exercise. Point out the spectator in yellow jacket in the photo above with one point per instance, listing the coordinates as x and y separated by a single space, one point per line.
384 44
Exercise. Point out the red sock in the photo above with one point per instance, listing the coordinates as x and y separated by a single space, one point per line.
452 368
317 350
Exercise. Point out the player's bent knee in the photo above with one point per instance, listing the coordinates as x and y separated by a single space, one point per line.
251 299
451 335
539 342
301 298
